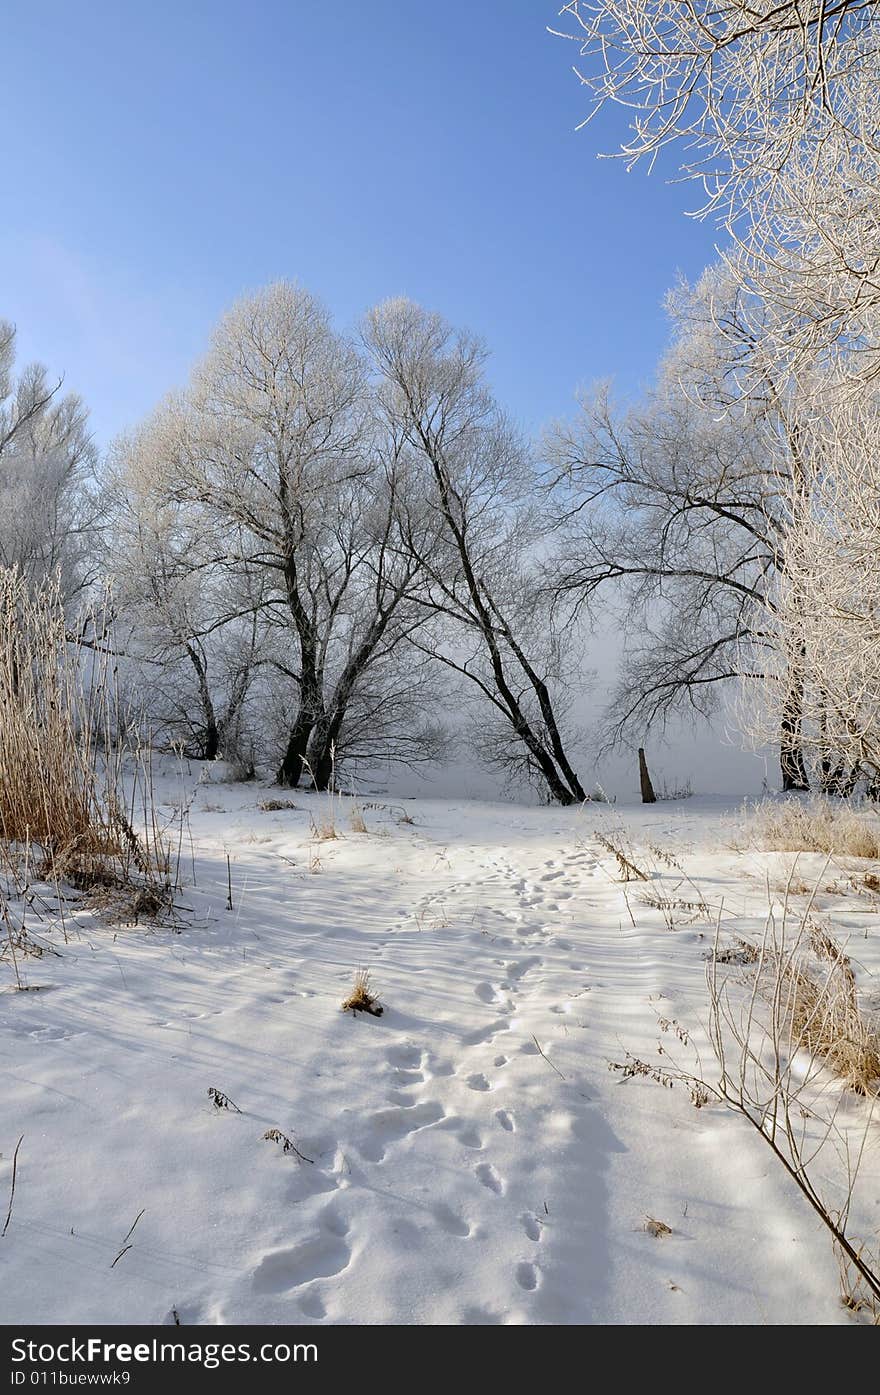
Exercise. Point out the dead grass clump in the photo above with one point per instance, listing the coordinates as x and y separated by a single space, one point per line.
85 874
739 952
674 791
273 806
657 1228
145 903
819 825
324 830
356 821
824 1014
362 998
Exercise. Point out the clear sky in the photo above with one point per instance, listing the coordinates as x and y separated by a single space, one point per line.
160 159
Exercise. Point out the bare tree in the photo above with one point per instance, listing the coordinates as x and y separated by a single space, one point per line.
679 507
476 478
193 630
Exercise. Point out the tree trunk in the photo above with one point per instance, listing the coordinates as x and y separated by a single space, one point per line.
310 682
291 768
323 756
211 739
791 752
211 745
791 756
648 795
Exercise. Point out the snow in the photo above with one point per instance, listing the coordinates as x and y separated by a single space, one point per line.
474 1160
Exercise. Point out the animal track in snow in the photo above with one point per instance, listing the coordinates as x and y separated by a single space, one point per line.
505 1119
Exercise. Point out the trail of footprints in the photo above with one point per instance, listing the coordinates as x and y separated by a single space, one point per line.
413 1106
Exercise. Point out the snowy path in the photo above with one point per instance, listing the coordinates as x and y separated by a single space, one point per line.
474 1160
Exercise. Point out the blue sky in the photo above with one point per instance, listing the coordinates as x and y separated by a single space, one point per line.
161 159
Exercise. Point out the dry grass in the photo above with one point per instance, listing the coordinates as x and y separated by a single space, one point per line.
273 806
362 997
76 798
50 786
814 991
817 825
657 1228
324 830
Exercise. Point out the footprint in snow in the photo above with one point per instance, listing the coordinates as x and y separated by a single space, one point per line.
486 1174
531 1226
478 1081
505 1119
482 1034
319 1257
389 1126
466 1133
406 1079
312 1305
527 1276
450 1221
407 1056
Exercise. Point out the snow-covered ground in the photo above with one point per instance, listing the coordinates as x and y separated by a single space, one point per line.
474 1160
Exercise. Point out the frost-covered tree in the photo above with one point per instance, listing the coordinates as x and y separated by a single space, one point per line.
777 108
826 613
191 629
276 457
475 539
48 513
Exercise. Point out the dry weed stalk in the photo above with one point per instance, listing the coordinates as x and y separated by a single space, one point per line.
790 1052
629 871
287 1145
